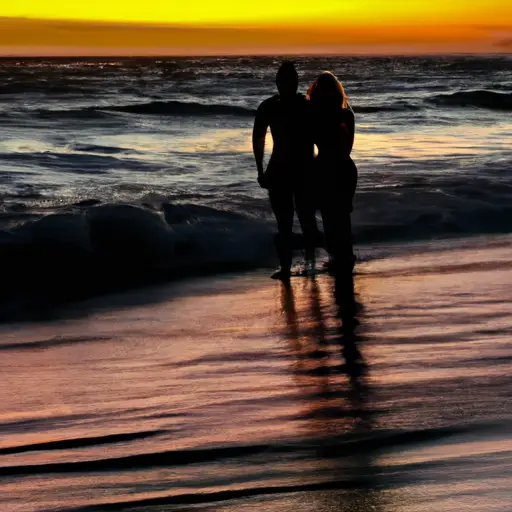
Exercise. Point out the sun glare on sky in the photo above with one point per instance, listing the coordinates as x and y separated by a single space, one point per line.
264 11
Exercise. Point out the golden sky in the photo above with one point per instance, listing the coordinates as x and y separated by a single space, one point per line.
267 26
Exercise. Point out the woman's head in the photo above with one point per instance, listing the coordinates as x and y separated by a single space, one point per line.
327 90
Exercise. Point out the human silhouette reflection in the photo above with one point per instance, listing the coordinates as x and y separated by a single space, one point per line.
348 338
313 338
334 390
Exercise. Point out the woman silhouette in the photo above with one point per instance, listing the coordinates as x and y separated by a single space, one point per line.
335 176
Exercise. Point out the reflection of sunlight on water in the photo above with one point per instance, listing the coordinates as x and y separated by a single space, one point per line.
416 144
461 446
153 143
425 142
221 141
213 156
431 141
21 145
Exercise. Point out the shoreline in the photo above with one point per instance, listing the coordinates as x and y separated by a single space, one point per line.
158 279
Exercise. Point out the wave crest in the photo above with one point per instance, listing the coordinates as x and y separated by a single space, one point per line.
102 248
482 99
374 109
162 108
180 108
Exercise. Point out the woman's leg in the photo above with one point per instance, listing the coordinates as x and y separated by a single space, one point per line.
345 249
351 190
329 221
336 206
338 233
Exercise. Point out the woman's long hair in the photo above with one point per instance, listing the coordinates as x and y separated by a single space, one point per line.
327 91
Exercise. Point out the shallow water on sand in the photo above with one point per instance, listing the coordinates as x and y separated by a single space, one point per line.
236 393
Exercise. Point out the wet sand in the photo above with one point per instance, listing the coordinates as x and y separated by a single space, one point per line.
237 393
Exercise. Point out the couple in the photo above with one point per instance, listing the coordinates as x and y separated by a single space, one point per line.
296 180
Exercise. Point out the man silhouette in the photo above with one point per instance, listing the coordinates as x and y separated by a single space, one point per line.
288 116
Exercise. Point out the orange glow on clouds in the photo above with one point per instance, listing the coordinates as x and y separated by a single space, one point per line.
269 26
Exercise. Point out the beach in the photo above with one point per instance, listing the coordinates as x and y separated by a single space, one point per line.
148 360
237 393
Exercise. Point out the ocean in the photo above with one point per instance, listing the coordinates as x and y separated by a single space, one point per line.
149 363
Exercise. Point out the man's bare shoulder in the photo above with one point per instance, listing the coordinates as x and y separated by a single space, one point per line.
268 104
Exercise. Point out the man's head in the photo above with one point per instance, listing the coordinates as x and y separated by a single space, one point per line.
287 79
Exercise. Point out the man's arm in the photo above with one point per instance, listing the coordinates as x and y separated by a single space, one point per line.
259 133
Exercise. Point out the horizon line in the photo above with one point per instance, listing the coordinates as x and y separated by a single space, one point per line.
262 55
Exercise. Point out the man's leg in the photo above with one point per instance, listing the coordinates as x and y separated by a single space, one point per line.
305 204
281 200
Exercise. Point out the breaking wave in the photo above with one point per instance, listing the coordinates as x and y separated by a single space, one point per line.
92 248
374 109
480 99
180 108
106 247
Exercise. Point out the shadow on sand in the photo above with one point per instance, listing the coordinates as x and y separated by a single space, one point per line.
332 373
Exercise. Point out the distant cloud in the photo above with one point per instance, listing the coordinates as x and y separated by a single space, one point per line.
20 36
504 43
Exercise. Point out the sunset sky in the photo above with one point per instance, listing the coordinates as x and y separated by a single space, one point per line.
102 27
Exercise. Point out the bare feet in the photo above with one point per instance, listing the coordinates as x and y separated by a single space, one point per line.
282 275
